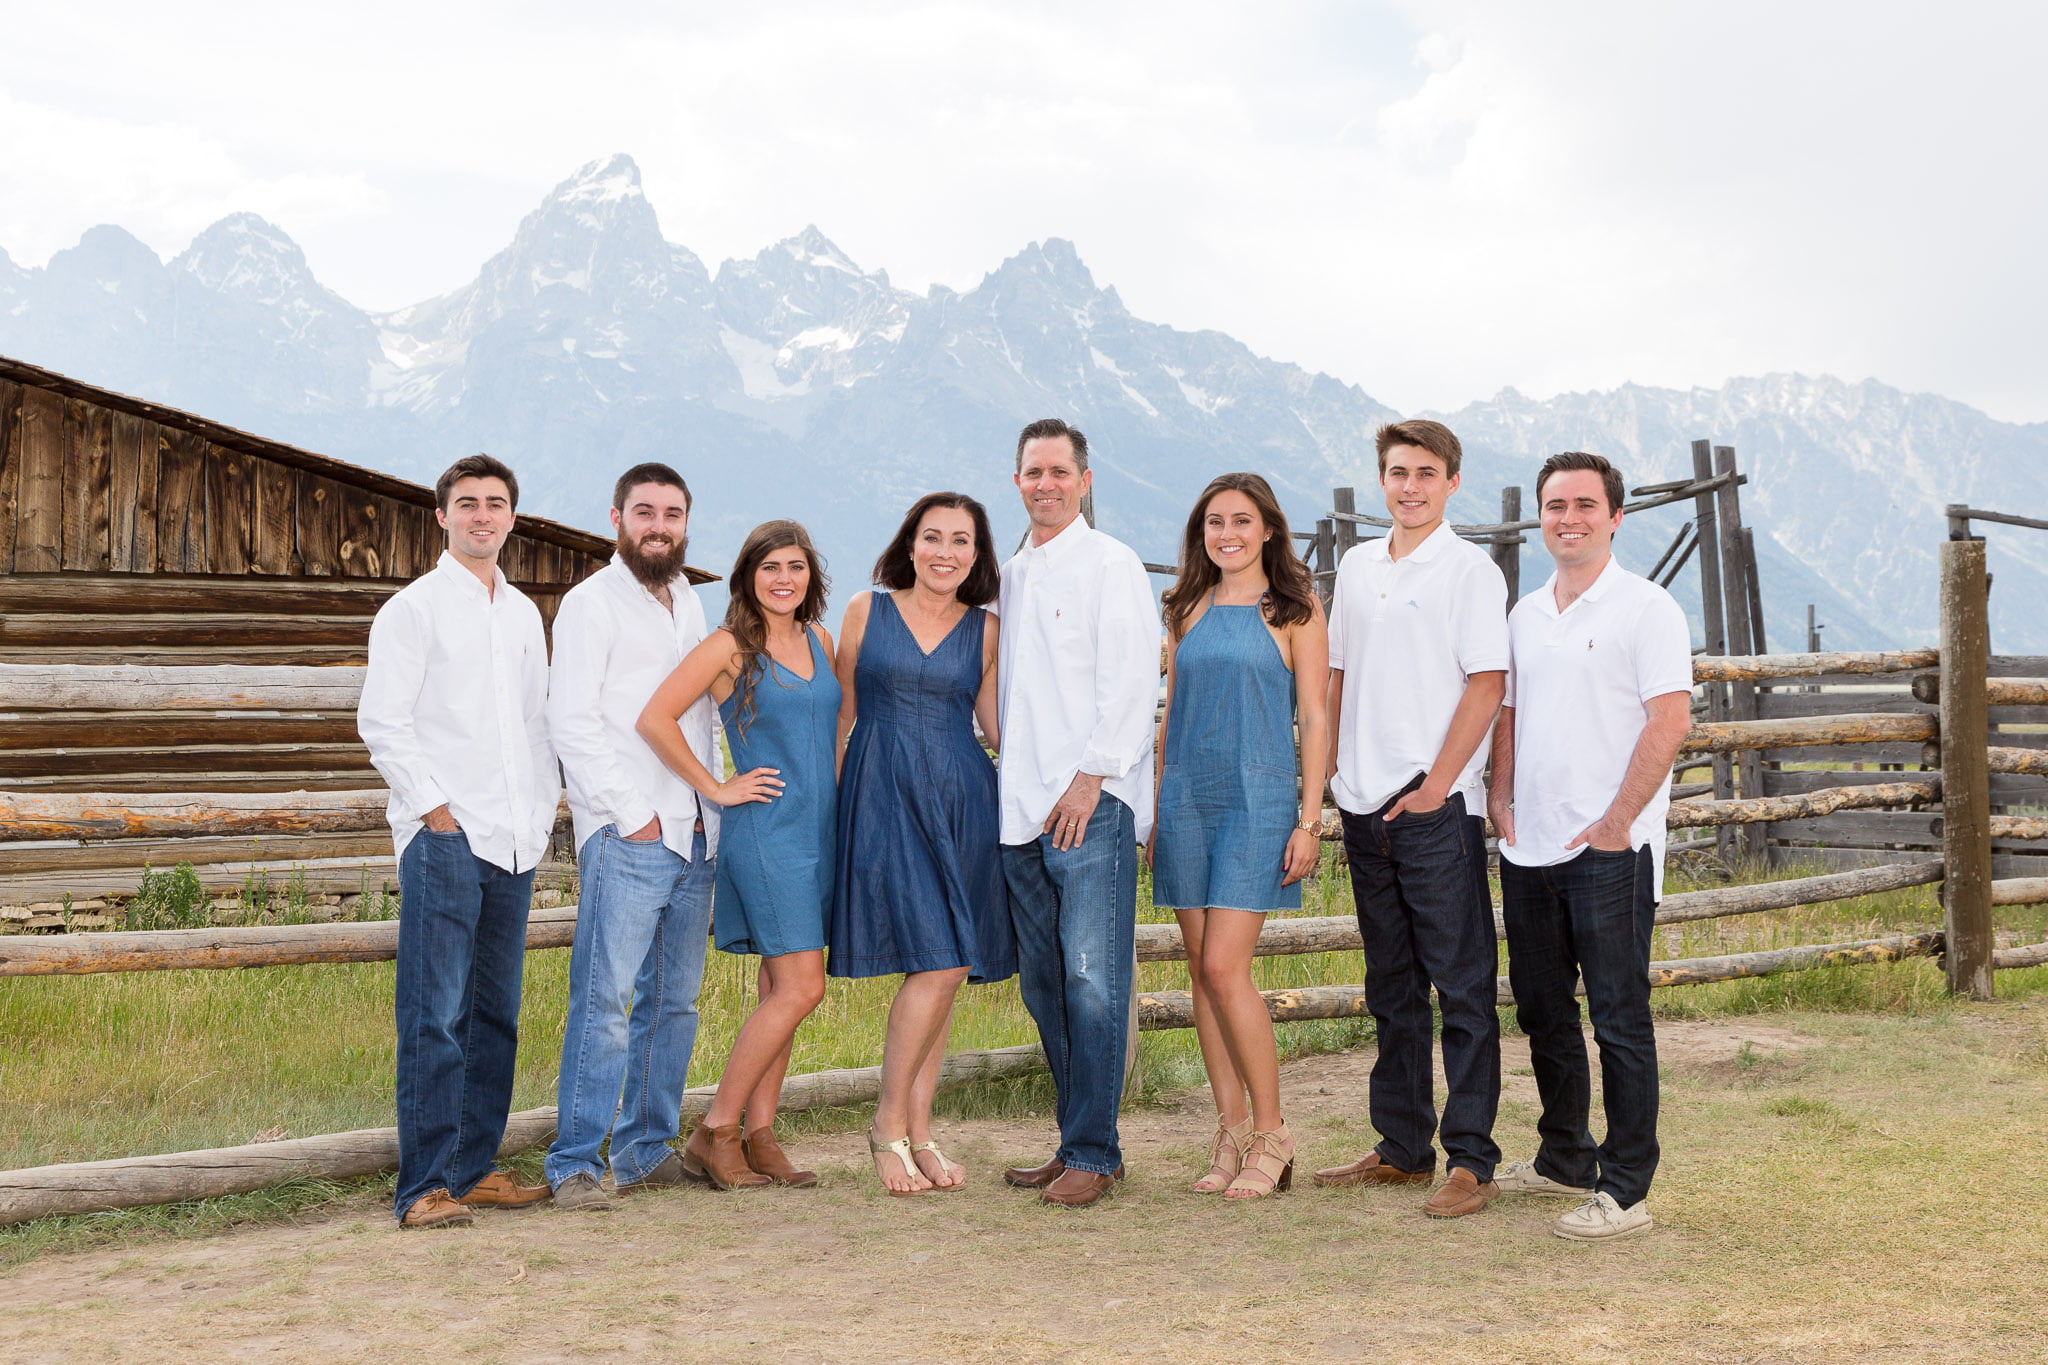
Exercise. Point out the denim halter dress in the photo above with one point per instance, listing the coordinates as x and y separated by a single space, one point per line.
775 858
1229 789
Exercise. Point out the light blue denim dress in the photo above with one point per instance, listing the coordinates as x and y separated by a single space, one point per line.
1229 789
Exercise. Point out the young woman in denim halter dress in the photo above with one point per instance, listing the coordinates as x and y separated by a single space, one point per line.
1240 819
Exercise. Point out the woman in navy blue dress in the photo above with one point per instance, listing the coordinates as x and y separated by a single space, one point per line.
769 667
919 888
1239 818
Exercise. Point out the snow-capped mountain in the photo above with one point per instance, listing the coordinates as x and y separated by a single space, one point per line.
799 384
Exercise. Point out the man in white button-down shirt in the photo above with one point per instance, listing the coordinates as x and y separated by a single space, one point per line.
454 713
1080 680
647 849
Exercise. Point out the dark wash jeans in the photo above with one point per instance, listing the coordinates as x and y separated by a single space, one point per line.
1419 883
461 953
1076 916
1589 917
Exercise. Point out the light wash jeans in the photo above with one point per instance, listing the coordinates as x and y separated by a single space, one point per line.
1076 914
642 930
461 953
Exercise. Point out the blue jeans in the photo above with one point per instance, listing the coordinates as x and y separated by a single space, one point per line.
1419 884
461 954
1589 917
642 931
1076 916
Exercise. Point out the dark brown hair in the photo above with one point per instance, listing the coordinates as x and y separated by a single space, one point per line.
1610 477
743 614
475 467
1420 432
895 571
1053 426
647 473
1291 590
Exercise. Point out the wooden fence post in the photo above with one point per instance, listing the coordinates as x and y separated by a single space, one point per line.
1326 559
1507 551
1735 596
1965 768
1707 526
1344 500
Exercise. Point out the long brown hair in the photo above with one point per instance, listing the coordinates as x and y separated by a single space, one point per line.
743 614
1291 590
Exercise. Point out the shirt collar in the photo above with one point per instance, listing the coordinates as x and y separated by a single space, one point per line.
1546 597
1069 537
449 564
1432 545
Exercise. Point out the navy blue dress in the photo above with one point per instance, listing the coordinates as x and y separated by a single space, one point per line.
920 881
775 858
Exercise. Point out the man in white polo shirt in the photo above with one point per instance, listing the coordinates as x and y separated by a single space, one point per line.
647 851
1418 661
1599 699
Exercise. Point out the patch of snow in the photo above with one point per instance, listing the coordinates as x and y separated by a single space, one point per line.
111 286
832 338
755 360
1202 398
1139 399
575 279
1103 362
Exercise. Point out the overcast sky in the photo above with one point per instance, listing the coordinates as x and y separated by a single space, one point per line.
1432 200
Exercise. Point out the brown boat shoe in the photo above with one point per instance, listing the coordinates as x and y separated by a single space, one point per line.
1461 1194
435 1209
1077 1189
1038 1177
502 1190
1370 1170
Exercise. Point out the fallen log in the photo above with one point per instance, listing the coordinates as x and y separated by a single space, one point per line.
1769 667
176 815
1793 732
2006 759
1997 691
1681 907
1280 938
2020 891
2019 827
1760 809
97 1186
2031 955
223 687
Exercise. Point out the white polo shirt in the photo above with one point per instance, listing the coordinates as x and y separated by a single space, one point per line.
1578 681
1407 634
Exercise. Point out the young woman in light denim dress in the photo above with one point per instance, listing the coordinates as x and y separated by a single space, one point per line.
1240 819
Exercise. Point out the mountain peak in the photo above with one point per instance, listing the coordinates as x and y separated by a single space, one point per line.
612 179
813 248
239 246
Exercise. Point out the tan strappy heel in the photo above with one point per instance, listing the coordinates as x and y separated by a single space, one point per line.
1226 1155
1266 1169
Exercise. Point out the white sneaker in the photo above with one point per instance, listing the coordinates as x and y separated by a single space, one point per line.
1521 1177
1599 1219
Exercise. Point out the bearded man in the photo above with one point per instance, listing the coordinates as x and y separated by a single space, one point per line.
647 850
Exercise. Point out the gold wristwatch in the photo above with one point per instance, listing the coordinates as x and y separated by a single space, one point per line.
1314 827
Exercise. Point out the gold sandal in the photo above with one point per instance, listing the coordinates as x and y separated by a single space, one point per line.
1226 1155
900 1149
944 1165
1264 1172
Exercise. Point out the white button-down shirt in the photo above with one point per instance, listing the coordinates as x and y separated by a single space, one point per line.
614 644
1080 677
1578 680
1408 632
454 710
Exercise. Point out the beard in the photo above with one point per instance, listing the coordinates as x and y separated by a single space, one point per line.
654 566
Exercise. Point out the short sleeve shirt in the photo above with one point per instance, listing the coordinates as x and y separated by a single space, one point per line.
1578 680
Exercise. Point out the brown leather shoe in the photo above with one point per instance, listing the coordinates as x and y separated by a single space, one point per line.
502 1190
713 1157
765 1155
1370 1170
1038 1177
1077 1189
435 1209
1461 1194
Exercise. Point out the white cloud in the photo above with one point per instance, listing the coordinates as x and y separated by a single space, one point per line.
1434 200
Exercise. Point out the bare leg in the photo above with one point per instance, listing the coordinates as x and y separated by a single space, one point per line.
1225 975
1224 1080
917 1018
791 987
941 1171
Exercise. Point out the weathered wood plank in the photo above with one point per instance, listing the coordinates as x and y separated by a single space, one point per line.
127 594
131 730
1913 830
198 759
72 857
1730 736
1762 809
2010 759
224 630
146 655
131 497
365 548
10 467
1997 691
94 815
230 509
88 474
322 510
1967 826
222 687
275 488
181 502
2018 826
1759 668
1780 704
2020 891
39 517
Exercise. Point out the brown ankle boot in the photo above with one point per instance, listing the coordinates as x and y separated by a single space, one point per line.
765 1155
713 1156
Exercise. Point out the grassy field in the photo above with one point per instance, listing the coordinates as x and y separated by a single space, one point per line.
131 1064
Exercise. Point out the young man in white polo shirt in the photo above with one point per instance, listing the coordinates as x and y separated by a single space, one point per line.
1418 661
647 851
1599 699
453 711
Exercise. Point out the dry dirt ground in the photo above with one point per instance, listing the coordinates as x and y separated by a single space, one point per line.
1802 1215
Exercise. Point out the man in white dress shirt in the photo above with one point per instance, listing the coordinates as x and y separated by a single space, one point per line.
1599 698
454 713
647 850
1080 680
1418 660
